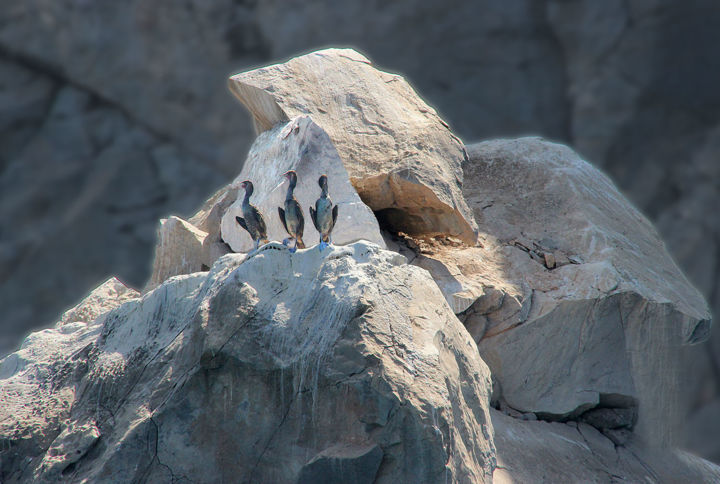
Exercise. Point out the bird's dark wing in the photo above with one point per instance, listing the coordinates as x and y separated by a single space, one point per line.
313 217
281 212
300 218
241 222
335 212
262 228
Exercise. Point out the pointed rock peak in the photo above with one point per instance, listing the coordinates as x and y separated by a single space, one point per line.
303 146
401 156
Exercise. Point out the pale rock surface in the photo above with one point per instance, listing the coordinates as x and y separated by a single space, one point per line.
613 78
37 389
551 452
179 250
269 368
303 146
613 326
208 219
108 295
574 279
401 156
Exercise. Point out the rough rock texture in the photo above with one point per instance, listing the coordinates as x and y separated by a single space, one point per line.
303 146
35 401
179 250
269 368
617 318
103 298
613 78
401 156
571 452
573 278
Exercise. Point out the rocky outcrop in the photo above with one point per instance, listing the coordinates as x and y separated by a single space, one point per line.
271 368
34 401
573 278
83 183
303 146
535 451
401 156
349 363
616 316
179 250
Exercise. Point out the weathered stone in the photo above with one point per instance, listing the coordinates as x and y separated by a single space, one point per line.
108 295
556 452
614 325
343 465
69 447
269 367
179 251
303 146
208 219
37 387
401 156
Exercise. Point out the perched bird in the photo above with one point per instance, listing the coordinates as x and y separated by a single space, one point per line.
252 220
292 217
324 214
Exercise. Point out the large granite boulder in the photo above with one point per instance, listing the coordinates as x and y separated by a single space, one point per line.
401 156
303 146
272 367
573 278
612 326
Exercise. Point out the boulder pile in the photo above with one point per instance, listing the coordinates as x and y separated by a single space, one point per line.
489 312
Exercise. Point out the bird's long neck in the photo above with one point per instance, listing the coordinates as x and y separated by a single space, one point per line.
246 200
324 192
291 188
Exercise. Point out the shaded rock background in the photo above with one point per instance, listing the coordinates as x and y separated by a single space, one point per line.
115 115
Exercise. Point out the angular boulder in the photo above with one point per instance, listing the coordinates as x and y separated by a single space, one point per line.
401 156
605 316
269 368
179 250
108 295
303 146
571 296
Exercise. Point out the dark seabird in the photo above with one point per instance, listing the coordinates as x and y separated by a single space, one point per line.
252 220
324 214
292 217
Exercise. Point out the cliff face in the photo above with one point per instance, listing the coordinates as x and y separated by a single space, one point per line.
366 361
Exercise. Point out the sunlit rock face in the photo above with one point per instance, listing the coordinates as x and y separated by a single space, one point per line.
179 250
271 367
303 146
573 299
400 155
352 364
